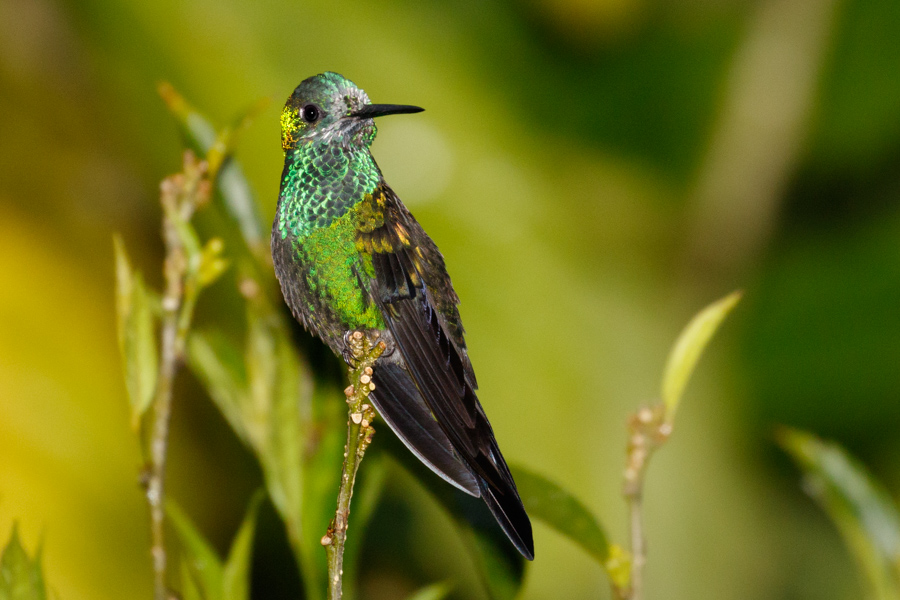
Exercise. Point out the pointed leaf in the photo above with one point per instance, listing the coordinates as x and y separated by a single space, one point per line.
858 505
190 589
687 350
236 576
435 591
220 367
21 578
198 131
556 507
203 562
137 342
276 405
232 186
262 379
223 147
265 393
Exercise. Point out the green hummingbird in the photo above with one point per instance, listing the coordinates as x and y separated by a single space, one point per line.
351 257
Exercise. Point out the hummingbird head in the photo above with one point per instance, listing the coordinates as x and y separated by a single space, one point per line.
330 108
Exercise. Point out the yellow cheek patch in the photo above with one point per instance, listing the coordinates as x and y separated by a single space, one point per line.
290 127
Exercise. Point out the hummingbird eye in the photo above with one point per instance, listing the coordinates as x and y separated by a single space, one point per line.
310 113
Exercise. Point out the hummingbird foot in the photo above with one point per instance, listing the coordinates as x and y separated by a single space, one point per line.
359 345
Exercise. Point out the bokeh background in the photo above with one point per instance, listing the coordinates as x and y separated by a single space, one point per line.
594 171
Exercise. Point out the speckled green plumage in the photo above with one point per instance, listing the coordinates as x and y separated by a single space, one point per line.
320 183
336 269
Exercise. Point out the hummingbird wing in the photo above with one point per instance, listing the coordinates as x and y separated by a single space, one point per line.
419 305
401 406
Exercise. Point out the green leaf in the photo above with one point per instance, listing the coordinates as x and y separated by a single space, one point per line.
278 394
21 577
265 393
224 144
687 350
262 379
204 576
190 589
435 591
559 509
231 185
236 575
858 505
137 342
219 366
197 129
203 563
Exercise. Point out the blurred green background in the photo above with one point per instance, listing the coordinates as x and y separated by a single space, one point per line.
594 173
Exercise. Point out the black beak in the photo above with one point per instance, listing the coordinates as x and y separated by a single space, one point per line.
379 110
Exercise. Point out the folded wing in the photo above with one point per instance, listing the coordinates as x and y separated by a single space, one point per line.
430 374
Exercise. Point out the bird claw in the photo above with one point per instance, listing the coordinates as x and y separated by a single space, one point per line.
359 347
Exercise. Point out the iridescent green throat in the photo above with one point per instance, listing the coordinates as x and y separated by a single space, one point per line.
321 182
326 195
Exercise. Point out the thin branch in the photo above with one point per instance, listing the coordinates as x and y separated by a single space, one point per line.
648 430
359 435
180 195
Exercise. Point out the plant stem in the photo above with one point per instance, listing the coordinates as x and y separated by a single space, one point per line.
638 552
181 194
359 435
648 430
162 406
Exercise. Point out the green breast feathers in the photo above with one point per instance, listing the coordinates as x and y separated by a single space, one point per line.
339 267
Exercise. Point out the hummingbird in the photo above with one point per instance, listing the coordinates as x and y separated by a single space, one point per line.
351 257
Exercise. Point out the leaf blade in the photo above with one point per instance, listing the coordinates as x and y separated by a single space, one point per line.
549 502
232 186
236 572
21 577
264 391
202 560
137 342
858 505
689 347
218 365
